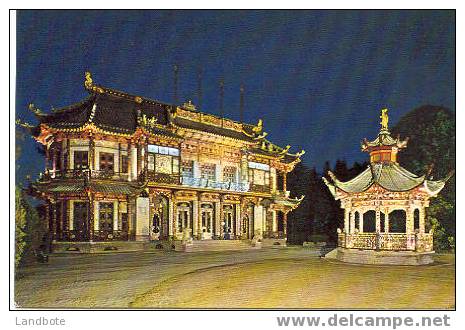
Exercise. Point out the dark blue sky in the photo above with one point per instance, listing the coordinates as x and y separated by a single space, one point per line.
317 78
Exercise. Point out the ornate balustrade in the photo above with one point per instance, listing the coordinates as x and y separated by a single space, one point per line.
387 241
204 183
163 178
83 174
260 188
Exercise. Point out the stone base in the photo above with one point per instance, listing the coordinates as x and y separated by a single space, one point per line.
373 257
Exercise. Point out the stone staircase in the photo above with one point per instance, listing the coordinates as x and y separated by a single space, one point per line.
216 245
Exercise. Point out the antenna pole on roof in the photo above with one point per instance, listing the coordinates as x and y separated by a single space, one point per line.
199 89
241 107
222 100
175 87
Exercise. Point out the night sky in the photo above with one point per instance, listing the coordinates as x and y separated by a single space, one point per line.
317 78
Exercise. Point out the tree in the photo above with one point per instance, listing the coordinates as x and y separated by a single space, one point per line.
431 130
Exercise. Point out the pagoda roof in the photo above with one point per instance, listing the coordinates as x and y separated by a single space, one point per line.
119 112
390 176
118 188
384 139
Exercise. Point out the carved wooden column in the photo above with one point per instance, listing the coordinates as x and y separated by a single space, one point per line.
91 153
421 214
54 219
129 152
386 221
285 224
378 220
360 221
409 220
196 230
284 181
62 154
346 220
352 222
90 216
62 219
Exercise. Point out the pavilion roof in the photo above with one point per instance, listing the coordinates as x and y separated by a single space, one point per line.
384 139
119 188
390 176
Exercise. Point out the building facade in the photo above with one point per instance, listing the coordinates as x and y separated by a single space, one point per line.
121 167
385 207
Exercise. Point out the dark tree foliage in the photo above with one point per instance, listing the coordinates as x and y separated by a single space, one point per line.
318 214
431 130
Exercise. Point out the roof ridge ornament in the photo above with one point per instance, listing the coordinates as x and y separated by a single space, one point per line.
35 110
89 83
384 119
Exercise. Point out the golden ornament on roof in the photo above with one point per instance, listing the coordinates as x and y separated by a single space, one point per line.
384 119
88 82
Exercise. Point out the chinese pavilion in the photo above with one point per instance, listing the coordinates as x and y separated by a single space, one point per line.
384 207
120 167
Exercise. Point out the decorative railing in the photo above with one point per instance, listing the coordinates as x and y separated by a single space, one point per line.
205 183
163 178
260 188
387 241
83 174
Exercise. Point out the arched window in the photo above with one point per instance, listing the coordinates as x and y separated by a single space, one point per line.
397 221
369 221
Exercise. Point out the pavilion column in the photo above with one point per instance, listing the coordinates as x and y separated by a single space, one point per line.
422 219
409 220
47 158
196 229
129 150
284 181
174 222
285 224
62 155
386 221
91 217
352 222
62 219
237 217
54 161
54 220
92 153
139 157
360 222
218 212
378 220
346 220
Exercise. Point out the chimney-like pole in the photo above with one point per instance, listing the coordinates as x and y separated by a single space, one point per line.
175 87
241 108
222 99
199 89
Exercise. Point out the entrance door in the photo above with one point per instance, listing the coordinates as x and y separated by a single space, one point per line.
80 221
207 221
229 222
106 220
184 219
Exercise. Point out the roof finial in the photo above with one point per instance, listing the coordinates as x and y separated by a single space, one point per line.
88 82
384 119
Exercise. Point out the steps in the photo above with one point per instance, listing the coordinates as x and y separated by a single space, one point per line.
217 245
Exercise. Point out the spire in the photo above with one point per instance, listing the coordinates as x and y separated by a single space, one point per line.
384 148
241 107
175 85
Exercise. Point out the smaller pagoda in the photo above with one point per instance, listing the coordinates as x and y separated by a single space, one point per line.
384 207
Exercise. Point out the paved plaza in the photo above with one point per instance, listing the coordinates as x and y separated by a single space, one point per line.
266 278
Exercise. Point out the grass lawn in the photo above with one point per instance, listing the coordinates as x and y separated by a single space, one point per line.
267 278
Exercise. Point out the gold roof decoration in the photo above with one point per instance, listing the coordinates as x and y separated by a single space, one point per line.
138 99
384 119
89 84
259 128
145 121
35 110
23 124
189 106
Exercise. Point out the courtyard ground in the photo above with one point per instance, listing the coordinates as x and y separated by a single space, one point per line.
266 278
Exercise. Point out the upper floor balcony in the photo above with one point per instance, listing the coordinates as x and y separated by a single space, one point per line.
211 184
171 179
